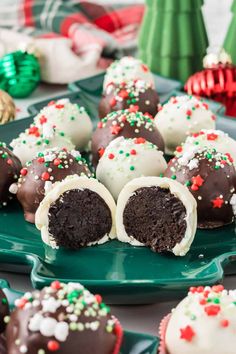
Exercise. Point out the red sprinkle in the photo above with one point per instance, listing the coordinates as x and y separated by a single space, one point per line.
45 176
51 103
139 141
21 303
205 105
115 129
53 345
145 68
217 202
224 323
99 125
193 289
197 180
111 156
23 171
217 288
56 285
133 108
187 333
123 119
98 298
179 148
34 131
212 310
213 117
229 157
133 152
59 106
9 161
212 136
200 289
194 187
202 302
112 102
123 94
56 162
43 120
101 151
40 160
189 112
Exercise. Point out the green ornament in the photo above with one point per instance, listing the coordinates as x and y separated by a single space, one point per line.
19 74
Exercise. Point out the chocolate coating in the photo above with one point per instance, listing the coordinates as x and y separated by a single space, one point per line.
136 94
4 311
156 218
127 124
3 348
50 166
88 326
9 171
78 218
212 181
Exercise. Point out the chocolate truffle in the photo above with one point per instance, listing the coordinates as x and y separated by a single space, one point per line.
10 167
211 178
126 159
69 118
77 212
137 94
210 138
203 323
39 174
127 69
180 117
158 213
124 123
63 318
4 311
36 139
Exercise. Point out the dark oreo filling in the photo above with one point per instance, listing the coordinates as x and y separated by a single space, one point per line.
155 217
79 217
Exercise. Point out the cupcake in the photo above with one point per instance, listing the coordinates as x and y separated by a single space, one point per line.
10 167
63 318
127 69
126 159
126 123
69 118
76 212
38 175
211 178
203 323
158 213
4 311
180 117
136 94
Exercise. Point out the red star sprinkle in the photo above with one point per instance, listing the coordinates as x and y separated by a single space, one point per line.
212 310
42 120
212 136
23 171
111 156
145 68
187 333
59 106
217 202
34 131
53 345
224 323
115 129
112 102
101 152
139 141
179 148
197 180
45 176
133 109
123 94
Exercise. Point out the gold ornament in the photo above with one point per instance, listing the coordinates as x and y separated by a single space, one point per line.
7 108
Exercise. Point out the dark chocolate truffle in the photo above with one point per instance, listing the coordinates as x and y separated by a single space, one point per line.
211 178
37 177
10 167
126 123
4 311
77 212
158 213
137 94
63 318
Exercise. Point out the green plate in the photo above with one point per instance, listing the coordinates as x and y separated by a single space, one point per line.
133 343
123 274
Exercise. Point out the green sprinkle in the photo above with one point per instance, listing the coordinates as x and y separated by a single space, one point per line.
173 177
217 167
127 154
131 168
216 301
121 152
4 301
72 118
47 141
187 183
62 134
161 175
4 156
38 142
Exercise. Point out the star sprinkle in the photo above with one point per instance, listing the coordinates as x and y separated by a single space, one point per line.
187 333
217 202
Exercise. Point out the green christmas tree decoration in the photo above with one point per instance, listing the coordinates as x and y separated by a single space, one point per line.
173 39
230 43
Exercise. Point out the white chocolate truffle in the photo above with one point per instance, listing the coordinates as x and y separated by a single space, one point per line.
180 117
125 159
69 118
216 139
82 216
203 323
36 139
157 212
127 69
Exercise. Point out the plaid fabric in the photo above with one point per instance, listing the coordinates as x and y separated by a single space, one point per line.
90 26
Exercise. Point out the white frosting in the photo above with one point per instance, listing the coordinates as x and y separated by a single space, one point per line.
211 333
27 146
115 168
176 189
58 188
68 118
211 138
180 117
127 69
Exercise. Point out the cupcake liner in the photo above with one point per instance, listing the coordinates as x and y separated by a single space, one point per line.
162 334
119 337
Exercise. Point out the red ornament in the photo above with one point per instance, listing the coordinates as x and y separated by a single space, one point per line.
187 333
212 310
217 81
217 202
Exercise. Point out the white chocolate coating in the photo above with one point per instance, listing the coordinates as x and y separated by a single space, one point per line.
26 146
178 190
127 69
58 188
204 330
211 138
68 118
180 117
124 160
